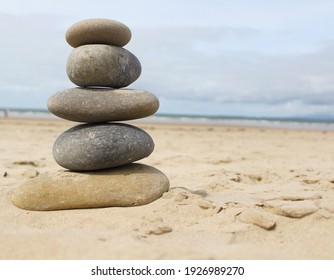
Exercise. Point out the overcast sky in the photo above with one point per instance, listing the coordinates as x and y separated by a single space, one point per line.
212 57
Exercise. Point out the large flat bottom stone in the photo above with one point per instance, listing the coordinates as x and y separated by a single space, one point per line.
131 185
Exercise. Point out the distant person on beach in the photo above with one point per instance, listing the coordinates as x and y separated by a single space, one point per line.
5 113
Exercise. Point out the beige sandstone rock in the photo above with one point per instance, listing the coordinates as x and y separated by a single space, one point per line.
292 209
258 217
130 185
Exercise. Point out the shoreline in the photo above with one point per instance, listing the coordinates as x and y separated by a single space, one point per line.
257 124
229 121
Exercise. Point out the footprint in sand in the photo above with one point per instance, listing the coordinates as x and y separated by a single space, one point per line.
26 162
184 196
247 178
152 226
181 208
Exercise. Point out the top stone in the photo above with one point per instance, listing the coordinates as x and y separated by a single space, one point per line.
98 31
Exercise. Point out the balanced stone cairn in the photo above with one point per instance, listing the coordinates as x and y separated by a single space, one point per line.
99 154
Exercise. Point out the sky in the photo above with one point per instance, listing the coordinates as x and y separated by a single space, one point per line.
214 57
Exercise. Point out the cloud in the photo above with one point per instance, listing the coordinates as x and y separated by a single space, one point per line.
194 63
219 66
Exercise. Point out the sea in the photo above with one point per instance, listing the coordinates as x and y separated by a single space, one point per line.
299 123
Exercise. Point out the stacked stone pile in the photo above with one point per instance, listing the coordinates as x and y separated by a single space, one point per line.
101 152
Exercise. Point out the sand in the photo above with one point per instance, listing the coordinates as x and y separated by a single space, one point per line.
236 193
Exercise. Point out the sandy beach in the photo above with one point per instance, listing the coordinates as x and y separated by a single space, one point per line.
235 193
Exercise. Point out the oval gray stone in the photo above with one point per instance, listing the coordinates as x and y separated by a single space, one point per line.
101 105
102 66
98 31
130 185
89 147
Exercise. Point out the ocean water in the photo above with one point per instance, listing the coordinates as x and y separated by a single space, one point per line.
289 123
